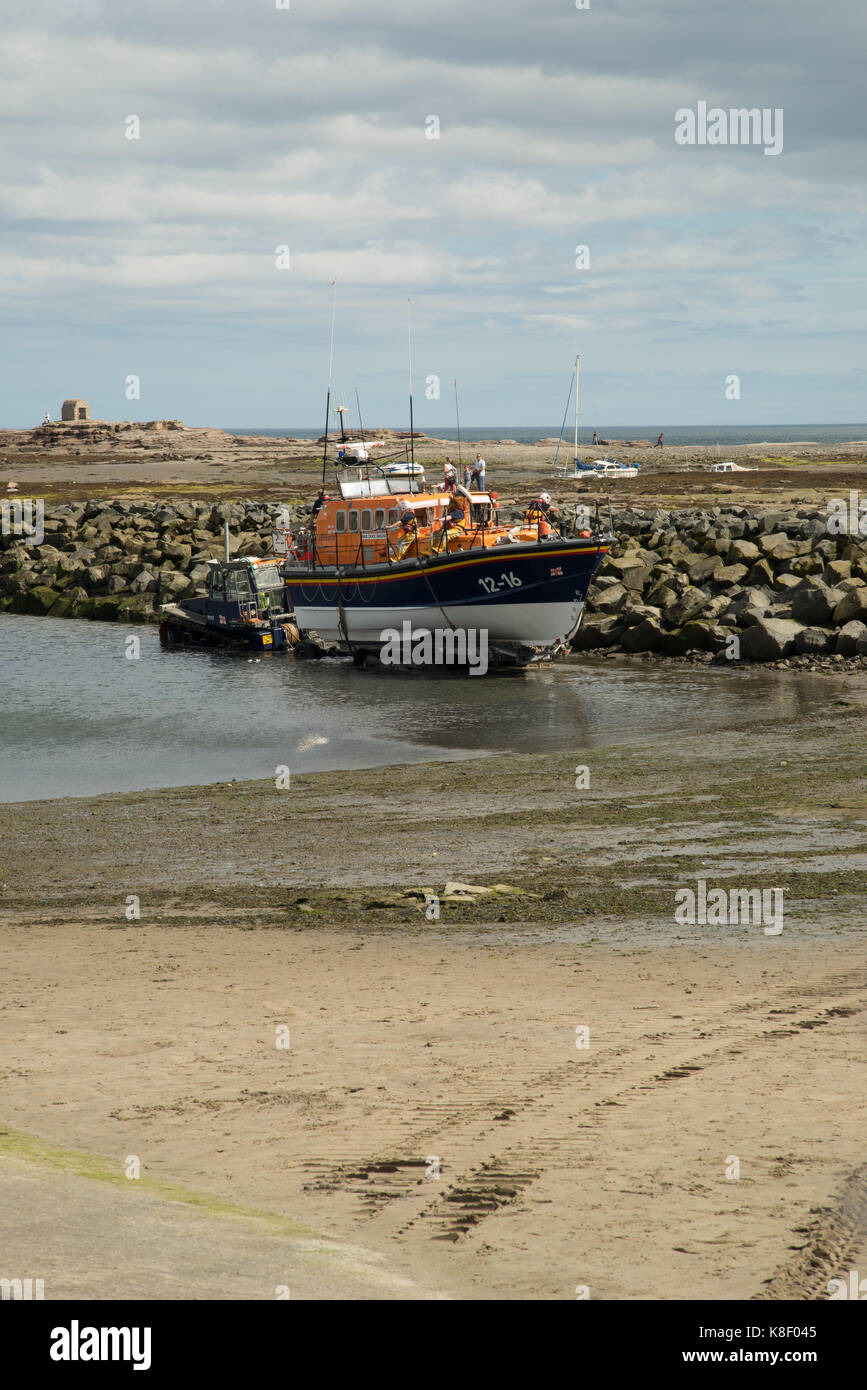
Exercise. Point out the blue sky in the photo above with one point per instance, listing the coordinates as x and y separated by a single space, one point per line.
305 127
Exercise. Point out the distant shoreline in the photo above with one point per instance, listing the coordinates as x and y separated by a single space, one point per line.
692 436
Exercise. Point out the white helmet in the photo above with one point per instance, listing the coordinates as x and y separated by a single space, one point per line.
545 497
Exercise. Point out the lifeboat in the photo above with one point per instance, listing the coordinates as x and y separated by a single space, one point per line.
389 549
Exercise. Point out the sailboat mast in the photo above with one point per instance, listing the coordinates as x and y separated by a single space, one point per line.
409 343
458 419
328 395
577 361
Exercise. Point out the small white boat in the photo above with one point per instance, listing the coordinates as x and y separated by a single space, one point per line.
613 468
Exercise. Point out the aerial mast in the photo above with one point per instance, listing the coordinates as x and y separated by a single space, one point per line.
577 361
328 396
409 343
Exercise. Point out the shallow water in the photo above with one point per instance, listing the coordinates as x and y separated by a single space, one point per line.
77 717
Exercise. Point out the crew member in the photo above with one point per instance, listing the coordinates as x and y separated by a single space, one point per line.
321 499
407 534
540 514
451 526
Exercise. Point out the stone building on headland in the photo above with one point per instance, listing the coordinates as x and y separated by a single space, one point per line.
75 410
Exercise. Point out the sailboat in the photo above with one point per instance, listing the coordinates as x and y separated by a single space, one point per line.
605 467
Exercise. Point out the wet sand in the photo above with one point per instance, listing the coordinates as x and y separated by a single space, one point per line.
412 1040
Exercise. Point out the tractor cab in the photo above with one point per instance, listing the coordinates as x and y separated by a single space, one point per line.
245 589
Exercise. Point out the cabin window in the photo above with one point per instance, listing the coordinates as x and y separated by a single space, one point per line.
353 520
237 586
392 516
216 584
340 521
379 519
366 522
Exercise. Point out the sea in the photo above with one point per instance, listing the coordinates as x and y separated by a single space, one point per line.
81 716
724 435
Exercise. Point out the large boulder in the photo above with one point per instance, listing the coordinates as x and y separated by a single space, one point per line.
849 636
768 639
777 547
853 605
812 602
609 600
645 637
95 576
815 641
40 599
837 570
741 552
597 632
701 568
137 609
637 613
727 576
704 636
761 574
804 565
687 606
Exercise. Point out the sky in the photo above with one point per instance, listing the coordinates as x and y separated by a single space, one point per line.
719 284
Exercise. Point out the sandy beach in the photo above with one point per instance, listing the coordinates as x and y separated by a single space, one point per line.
432 1130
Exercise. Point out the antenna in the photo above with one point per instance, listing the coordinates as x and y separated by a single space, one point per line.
458 418
361 428
330 365
409 342
577 364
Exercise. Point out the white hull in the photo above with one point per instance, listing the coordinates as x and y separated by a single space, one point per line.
537 624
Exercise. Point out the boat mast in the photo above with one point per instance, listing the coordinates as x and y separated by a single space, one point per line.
409 342
328 396
458 419
361 428
577 360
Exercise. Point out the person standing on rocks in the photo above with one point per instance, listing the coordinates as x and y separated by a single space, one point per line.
659 441
478 474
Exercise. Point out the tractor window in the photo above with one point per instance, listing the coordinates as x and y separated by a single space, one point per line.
267 577
237 586
216 583
353 520
340 521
